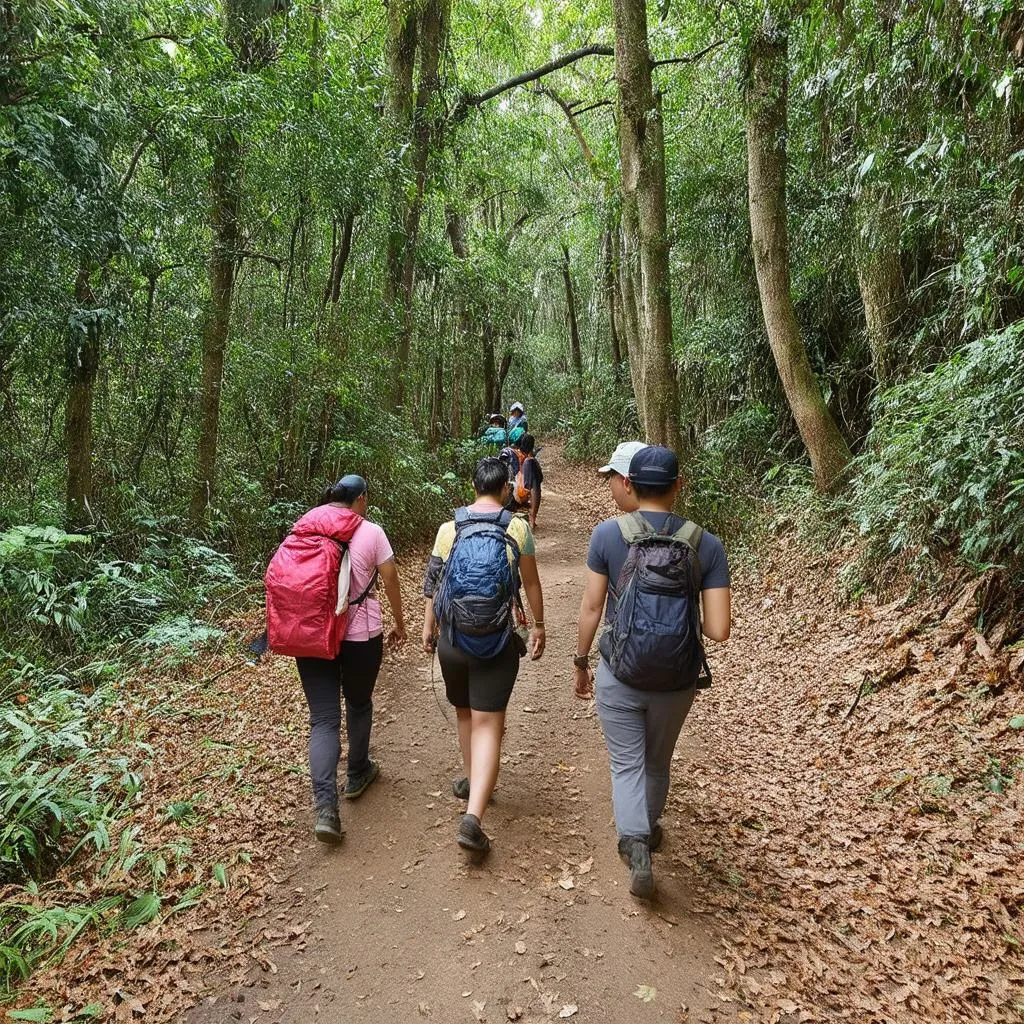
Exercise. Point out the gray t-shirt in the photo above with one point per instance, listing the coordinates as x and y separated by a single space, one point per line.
608 552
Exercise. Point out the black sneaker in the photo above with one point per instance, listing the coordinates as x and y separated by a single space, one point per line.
460 787
329 828
361 783
654 842
636 853
471 836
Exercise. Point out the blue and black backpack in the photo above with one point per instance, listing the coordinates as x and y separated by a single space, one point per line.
478 585
655 641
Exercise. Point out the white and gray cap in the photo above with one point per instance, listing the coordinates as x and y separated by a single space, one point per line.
622 457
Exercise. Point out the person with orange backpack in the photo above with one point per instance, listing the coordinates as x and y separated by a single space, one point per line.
322 609
527 479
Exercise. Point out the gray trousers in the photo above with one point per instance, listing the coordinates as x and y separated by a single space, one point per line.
640 728
353 673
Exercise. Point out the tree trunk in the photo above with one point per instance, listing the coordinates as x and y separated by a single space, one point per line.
487 336
340 251
401 57
224 212
83 357
645 271
883 293
429 36
766 158
437 403
506 365
610 294
575 350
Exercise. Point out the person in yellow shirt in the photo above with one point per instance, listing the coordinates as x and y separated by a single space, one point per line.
471 586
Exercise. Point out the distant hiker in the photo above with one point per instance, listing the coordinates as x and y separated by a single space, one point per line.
658 573
471 584
517 417
322 609
527 480
496 432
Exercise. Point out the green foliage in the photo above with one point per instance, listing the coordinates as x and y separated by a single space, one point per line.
726 474
943 469
594 426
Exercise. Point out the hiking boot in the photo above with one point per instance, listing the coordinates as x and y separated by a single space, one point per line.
329 828
654 842
636 853
460 787
471 836
361 783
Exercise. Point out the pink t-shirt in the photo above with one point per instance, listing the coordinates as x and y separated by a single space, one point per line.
368 549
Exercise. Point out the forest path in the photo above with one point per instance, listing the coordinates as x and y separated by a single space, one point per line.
404 927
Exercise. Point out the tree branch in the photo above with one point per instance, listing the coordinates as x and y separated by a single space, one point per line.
250 254
691 58
133 164
588 153
592 106
475 100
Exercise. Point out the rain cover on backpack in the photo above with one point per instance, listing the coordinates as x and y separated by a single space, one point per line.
473 601
654 642
307 585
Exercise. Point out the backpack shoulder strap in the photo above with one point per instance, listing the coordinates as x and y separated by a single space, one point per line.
461 517
633 526
691 535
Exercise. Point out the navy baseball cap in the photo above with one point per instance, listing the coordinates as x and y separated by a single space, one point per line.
654 466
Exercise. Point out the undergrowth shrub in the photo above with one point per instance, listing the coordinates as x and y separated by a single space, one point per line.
726 475
606 416
78 613
943 470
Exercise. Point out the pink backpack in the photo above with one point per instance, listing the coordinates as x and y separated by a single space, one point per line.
308 585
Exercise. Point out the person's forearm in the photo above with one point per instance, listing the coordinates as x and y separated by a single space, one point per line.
428 616
394 591
536 599
590 619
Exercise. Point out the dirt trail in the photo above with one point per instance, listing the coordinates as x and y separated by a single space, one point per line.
401 926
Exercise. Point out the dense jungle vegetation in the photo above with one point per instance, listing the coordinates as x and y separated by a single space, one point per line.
248 245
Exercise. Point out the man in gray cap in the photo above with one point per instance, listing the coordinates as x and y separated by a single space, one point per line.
661 582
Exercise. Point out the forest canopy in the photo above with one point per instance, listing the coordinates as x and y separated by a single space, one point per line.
250 245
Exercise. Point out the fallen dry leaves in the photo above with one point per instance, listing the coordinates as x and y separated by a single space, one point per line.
851 817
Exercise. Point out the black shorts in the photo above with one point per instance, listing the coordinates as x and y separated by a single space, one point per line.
483 684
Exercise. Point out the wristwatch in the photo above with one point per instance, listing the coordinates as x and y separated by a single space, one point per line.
581 660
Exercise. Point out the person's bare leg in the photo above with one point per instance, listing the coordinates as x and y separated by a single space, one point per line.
464 722
487 730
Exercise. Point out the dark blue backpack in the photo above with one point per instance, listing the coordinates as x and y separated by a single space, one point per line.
473 601
654 642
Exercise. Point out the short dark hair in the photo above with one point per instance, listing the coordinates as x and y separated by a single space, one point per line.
644 491
490 477
526 444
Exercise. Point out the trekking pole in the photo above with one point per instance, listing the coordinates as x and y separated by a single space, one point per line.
433 683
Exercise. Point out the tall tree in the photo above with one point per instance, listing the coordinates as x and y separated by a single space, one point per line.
575 350
643 265
417 29
248 32
766 109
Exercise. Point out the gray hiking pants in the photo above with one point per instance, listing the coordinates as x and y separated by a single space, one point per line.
353 674
640 728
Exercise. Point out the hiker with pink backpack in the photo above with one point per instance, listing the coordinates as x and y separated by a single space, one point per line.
322 609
